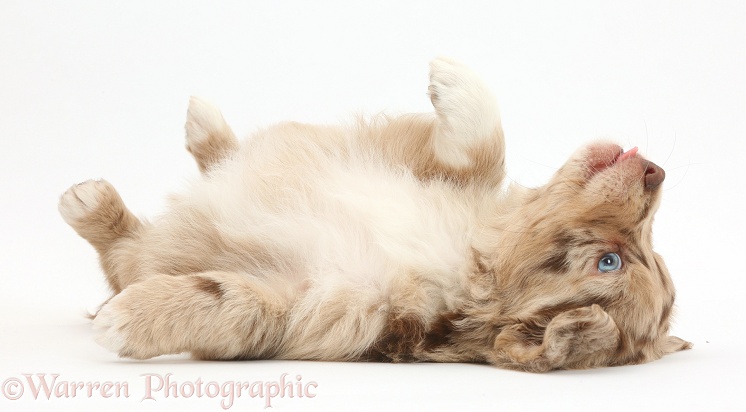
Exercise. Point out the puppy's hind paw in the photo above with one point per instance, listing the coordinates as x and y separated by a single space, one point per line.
134 325
82 199
109 325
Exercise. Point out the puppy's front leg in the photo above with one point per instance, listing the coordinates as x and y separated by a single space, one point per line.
208 137
467 130
576 339
463 143
213 315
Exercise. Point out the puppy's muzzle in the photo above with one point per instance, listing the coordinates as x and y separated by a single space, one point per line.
654 175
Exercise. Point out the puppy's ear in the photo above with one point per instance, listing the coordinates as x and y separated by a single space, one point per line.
673 344
576 339
581 338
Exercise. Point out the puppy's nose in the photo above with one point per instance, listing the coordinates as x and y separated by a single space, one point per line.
654 175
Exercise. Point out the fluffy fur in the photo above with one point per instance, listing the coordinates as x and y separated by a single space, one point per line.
390 240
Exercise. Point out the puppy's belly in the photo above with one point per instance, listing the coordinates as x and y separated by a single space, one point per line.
372 235
373 221
342 228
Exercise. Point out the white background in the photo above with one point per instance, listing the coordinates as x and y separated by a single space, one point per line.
100 89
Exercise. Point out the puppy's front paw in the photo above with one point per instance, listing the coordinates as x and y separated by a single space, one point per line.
83 199
467 112
456 89
203 120
208 137
449 83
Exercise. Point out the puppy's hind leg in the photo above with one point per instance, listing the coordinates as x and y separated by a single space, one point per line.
96 211
213 315
208 137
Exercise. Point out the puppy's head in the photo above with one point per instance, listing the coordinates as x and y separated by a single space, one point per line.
586 238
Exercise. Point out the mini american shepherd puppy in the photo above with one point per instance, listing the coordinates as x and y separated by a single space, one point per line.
391 240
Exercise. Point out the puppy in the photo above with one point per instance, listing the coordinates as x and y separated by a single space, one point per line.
390 240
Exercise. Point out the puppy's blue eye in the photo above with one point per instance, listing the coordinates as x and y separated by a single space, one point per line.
609 262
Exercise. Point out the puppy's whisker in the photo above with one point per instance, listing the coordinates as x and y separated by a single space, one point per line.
516 182
673 147
540 164
683 176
